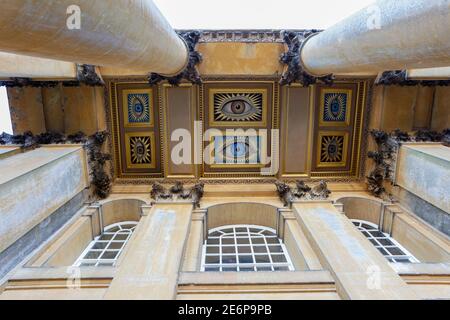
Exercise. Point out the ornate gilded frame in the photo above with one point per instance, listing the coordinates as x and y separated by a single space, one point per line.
151 135
348 111
125 94
232 165
213 123
342 163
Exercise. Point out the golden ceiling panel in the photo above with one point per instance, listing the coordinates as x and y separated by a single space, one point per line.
136 124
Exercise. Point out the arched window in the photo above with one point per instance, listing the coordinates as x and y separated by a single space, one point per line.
390 248
244 248
106 248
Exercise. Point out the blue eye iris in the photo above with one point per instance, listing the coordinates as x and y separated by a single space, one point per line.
138 107
335 107
237 149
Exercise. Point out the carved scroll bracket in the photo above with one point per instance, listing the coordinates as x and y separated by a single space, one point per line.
86 74
295 71
385 157
178 193
400 78
190 73
301 191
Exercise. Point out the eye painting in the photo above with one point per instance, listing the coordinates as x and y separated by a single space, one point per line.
138 108
238 107
237 150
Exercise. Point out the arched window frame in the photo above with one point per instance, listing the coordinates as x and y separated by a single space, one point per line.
275 249
384 243
109 246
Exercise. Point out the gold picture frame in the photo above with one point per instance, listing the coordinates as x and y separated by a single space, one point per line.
344 151
125 106
215 91
130 164
348 108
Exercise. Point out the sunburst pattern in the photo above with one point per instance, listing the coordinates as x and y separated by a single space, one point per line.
138 108
140 150
335 108
240 107
332 148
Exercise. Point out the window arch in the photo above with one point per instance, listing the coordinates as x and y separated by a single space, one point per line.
104 250
390 248
236 248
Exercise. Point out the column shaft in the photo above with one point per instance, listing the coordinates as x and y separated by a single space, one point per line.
389 35
119 33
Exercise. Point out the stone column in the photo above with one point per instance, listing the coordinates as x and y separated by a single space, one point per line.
360 271
150 265
389 35
125 34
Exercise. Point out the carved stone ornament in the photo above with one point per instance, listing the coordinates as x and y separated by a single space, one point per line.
178 193
295 72
190 73
100 180
385 157
301 191
400 78
85 75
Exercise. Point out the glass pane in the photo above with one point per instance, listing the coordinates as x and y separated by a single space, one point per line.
110 255
281 268
116 245
228 249
229 259
212 259
260 249
246 259
229 269
245 269
121 237
395 251
100 245
243 240
244 249
210 250
258 240
264 268
279 258
106 237
276 249
93 255
368 227
386 242
228 241
213 241
377 234
212 269
262 259
272 240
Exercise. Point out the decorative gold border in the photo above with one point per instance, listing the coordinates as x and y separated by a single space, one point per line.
126 122
348 112
129 135
343 163
213 123
233 165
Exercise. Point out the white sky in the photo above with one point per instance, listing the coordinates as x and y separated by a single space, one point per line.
241 14
5 119
257 14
